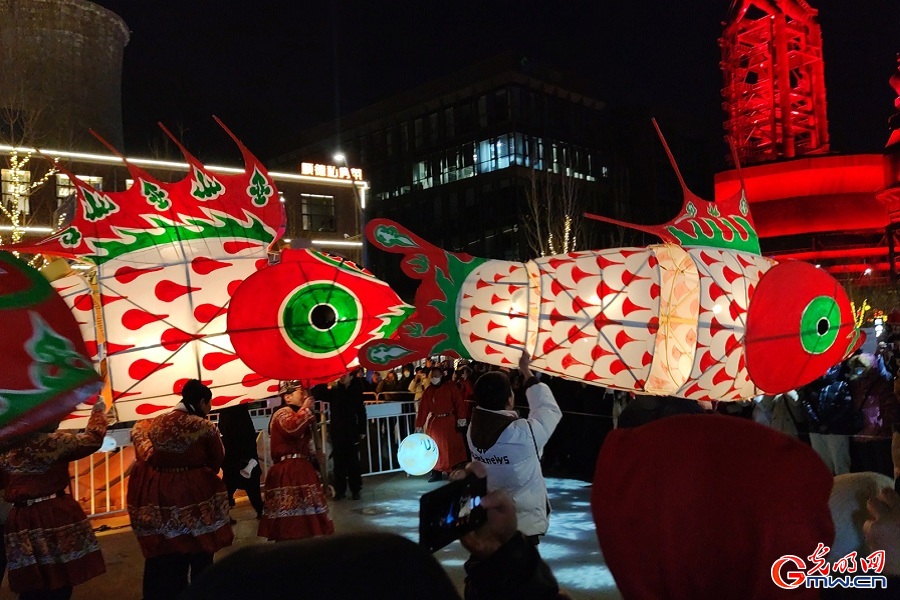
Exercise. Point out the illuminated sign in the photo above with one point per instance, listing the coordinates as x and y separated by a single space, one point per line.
331 171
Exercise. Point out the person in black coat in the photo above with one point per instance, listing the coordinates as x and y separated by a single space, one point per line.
239 439
348 428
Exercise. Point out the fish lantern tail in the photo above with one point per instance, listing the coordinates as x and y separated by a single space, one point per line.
433 328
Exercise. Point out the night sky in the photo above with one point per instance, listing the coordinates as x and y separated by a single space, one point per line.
272 68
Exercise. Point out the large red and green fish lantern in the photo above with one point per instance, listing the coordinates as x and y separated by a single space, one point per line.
699 323
46 370
703 316
306 317
168 257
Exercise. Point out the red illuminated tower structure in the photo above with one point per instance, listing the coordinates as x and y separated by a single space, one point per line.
774 90
807 203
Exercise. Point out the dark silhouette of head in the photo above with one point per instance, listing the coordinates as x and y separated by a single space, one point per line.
492 391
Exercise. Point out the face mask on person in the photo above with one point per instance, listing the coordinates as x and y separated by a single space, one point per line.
406 373
435 380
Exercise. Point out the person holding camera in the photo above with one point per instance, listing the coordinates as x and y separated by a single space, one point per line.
502 565
295 505
510 448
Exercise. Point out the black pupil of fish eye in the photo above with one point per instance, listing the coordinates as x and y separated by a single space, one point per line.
822 327
323 316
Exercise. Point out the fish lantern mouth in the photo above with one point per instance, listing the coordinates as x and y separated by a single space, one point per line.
800 323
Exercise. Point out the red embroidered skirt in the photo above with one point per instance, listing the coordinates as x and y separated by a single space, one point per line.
50 545
295 505
178 512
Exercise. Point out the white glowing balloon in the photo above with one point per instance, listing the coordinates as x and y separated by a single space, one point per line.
417 454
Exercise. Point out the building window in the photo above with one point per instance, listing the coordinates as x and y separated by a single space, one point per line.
515 103
482 111
501 105
16 189
65 187
422 175
317 212
467 122
458 163
433 127
495 153
449 128
419 133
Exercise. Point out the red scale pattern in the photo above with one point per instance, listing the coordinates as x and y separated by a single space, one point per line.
727 281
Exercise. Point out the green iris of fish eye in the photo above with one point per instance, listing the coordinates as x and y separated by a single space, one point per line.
819 324
320 317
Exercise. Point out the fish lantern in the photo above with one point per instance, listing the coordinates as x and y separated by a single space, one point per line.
417 454
306 317
168 257
701 316
46 371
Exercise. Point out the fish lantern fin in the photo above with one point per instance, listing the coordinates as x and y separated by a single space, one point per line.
109 224
725 224
432 328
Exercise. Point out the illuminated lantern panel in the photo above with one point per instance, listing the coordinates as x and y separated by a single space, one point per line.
660 320
175 331
76 292
169 256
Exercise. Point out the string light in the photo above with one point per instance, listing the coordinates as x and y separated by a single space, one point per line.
859 314
18 192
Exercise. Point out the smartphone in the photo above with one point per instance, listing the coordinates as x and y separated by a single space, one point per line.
451 511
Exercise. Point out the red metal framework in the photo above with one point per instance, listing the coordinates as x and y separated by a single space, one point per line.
774 90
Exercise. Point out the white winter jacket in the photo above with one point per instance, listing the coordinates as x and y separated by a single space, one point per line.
505 445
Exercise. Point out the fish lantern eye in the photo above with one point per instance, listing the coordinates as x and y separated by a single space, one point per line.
799 324
819 324
323 317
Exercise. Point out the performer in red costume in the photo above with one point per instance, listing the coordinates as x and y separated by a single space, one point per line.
49 543
295 505
441 411
180 510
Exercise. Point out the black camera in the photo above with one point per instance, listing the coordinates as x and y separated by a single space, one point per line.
451 511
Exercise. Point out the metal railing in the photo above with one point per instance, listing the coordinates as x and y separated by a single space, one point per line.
99 482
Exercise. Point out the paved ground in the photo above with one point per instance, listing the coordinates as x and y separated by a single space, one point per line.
389 503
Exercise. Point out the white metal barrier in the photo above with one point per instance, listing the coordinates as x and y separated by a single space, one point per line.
99 482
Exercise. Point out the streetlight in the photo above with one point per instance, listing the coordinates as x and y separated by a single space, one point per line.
340 157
